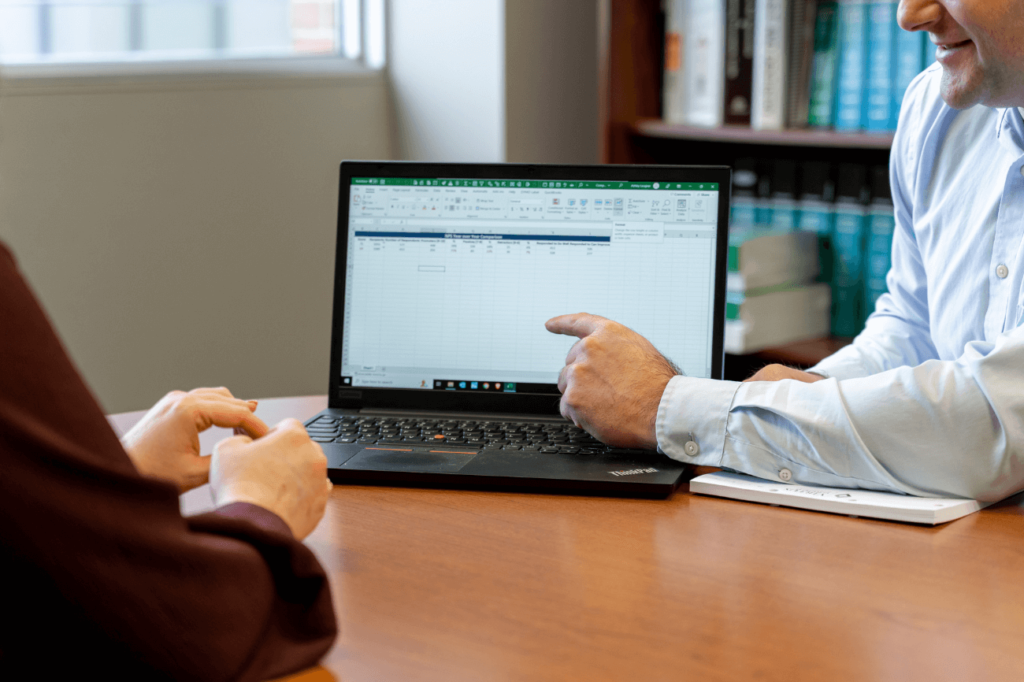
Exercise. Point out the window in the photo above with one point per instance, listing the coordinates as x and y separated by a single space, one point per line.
121 31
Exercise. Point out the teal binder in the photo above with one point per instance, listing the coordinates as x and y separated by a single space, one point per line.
816 212
881 68
881 225
847 278
782 196
851 110
820 218
848 239
822 112
742 214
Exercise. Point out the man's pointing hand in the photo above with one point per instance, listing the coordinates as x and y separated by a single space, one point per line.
612 381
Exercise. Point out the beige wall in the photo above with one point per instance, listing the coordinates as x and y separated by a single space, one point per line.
181 231
551 77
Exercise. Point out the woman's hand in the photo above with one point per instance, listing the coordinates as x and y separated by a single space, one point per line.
165 443
284 472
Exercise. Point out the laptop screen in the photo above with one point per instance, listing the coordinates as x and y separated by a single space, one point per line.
449 281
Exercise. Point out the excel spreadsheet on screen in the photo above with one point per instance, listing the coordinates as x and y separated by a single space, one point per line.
449 282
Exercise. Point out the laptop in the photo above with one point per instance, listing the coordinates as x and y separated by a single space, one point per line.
441 371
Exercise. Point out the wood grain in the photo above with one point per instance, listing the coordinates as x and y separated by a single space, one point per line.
630 44
463 585
808 137
434 585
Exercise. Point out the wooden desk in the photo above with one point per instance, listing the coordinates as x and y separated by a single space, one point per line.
442 585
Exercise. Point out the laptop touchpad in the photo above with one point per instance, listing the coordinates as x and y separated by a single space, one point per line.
419 460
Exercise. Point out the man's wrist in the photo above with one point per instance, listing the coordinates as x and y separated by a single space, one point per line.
696 411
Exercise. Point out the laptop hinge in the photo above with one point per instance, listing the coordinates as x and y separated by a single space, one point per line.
492 416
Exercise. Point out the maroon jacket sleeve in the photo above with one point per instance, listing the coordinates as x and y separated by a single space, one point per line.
101 570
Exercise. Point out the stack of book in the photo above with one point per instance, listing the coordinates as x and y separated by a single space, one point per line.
808 256
775 64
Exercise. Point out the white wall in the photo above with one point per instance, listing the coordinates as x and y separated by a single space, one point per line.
446 61
181 231
495 80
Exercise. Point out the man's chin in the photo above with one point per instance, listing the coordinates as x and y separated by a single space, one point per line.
960 92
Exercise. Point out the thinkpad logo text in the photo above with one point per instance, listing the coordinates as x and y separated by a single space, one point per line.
633 472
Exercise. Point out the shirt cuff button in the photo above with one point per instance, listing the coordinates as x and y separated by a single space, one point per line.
691 448
785 475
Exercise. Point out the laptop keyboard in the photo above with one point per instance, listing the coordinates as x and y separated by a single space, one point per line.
525 436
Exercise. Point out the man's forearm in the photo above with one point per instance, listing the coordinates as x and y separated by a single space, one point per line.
945 428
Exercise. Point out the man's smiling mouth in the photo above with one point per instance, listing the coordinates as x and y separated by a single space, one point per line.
953 46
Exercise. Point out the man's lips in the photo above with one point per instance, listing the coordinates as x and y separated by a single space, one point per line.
951 45
950 52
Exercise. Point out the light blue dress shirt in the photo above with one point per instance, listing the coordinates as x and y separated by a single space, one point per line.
929 398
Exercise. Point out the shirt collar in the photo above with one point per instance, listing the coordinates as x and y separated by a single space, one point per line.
1010 129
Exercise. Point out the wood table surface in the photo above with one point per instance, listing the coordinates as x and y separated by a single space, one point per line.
464 585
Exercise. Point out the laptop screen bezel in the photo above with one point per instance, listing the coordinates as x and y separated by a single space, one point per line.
343 397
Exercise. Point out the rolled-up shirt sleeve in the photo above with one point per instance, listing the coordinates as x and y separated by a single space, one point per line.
953 428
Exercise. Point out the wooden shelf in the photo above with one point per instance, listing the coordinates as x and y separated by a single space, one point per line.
653 127
801 355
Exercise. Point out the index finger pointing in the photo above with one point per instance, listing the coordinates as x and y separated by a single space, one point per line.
579 324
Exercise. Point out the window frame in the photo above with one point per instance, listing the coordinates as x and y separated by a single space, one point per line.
145 70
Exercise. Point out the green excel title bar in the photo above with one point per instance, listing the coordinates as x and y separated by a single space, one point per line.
535 184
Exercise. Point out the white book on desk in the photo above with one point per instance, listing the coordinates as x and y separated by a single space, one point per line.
890 506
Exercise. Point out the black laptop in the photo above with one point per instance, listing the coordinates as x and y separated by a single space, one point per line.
442 373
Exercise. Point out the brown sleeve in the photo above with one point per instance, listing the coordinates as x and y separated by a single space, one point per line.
101 570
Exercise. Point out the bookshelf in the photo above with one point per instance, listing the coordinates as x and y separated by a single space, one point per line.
631 45
826 139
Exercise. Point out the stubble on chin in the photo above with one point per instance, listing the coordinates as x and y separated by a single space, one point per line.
961 91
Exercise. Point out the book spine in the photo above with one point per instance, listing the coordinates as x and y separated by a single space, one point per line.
739 60
674 84
785 214
910 61
705 62
742 215
847 269
765 216
768 89
878 258
850 100
822 111
801 59
881 46
819 217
